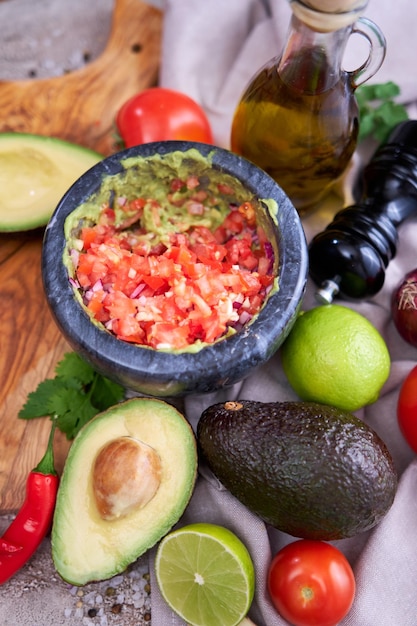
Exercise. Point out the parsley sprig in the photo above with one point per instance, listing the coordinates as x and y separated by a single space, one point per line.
379 113
73 397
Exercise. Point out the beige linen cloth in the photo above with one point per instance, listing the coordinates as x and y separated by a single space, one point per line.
210 51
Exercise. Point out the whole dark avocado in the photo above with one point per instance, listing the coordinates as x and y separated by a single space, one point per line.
310 470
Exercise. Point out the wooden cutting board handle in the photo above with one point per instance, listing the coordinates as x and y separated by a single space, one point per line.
81 106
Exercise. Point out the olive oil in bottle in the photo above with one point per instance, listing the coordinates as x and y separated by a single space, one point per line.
298 118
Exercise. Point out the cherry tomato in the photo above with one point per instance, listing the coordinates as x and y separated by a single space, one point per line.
159 114
311 583
407 409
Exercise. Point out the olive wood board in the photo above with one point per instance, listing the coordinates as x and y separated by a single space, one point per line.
78 107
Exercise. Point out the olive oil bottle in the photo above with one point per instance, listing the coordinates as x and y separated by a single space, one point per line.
298 118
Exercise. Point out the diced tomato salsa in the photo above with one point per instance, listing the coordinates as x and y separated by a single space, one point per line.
169 292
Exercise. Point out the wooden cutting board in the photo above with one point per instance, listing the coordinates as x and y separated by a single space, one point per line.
78 107
81 106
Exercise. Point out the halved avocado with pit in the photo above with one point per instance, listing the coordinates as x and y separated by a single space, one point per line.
128 477
35 172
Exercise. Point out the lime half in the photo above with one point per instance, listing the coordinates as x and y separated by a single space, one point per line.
206 575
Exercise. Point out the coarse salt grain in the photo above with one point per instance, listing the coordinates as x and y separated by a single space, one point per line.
138 600
89 597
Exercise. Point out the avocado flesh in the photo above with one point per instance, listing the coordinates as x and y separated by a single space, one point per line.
35 172
86 547
309 470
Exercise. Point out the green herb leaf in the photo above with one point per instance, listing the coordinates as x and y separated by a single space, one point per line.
38 402
378 111
73 366
73 397
105 393
75 410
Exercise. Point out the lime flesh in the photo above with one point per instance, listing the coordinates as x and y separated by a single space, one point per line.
206 575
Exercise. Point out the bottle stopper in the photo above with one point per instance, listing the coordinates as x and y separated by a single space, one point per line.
328 15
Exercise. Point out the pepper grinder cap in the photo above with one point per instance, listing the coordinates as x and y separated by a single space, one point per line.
328 15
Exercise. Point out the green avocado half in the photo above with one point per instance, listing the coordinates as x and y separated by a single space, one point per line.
128 477
35 172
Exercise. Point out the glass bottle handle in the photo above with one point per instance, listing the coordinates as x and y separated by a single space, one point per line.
377 49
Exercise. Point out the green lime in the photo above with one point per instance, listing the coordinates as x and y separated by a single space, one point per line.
334 355
206 575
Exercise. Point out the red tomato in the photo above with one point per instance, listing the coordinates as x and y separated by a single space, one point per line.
159 114
311 583
407 409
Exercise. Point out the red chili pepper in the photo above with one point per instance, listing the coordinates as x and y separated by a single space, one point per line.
33 521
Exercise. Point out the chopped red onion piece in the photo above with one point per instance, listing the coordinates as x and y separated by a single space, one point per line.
98 286
244 317
75 257
137 290
269 250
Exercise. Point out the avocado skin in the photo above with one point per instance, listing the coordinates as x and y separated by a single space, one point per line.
310 470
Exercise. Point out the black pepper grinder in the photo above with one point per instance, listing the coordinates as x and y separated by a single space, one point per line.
349 257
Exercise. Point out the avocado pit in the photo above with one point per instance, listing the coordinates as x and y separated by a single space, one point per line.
126 475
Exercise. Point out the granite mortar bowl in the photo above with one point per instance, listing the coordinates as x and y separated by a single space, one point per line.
214 366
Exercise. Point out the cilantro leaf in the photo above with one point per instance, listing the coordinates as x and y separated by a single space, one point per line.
73 366
74 410
73 397
380 91
378 111
105 393
39 401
